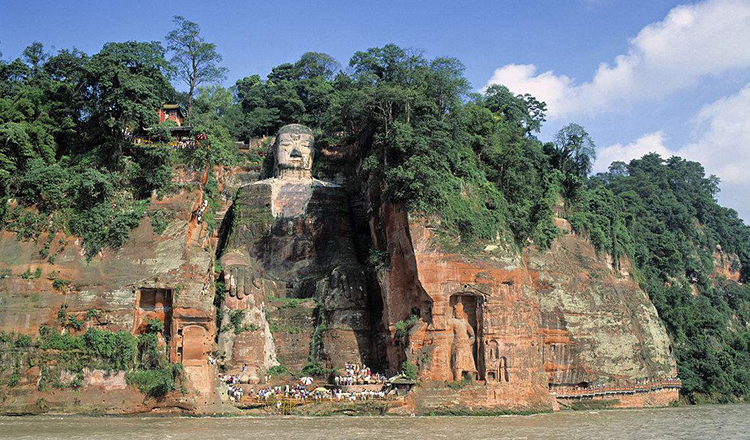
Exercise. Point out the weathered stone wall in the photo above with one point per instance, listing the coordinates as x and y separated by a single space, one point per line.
178 262
560 317
598 325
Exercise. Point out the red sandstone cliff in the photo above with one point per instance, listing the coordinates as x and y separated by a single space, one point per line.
543 319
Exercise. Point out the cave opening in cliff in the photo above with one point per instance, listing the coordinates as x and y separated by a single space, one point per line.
153 304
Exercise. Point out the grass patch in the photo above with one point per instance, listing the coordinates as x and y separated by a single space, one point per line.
29 275
457 385
278 370
287 303
236 319
160 220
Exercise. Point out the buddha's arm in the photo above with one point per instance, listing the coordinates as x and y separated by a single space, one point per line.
251 220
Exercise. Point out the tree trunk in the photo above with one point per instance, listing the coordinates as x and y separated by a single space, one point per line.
190 103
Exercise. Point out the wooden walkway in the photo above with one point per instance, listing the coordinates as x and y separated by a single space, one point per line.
572 393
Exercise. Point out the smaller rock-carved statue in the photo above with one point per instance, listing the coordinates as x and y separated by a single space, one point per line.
462 358
504 368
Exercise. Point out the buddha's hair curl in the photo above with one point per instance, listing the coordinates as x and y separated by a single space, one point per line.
295 129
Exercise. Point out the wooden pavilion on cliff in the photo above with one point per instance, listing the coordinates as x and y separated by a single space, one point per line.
171 112
180 133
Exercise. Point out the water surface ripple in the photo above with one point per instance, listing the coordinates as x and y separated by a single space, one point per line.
695 422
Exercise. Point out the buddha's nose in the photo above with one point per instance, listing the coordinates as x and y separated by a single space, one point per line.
295 153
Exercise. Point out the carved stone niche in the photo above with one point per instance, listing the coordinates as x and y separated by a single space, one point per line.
193 331
152 303
496 364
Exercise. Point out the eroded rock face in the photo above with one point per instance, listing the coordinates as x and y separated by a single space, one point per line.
167 277
598 326
500 307
726 264
558 318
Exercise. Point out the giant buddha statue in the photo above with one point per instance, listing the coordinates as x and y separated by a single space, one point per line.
292 237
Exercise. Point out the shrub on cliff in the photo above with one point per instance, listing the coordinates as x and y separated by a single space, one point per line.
156 382
314 369
145 364
65 119
409 370
278 370
403 327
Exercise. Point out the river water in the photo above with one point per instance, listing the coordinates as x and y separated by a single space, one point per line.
695 422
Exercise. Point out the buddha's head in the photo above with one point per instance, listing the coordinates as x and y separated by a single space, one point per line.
293 152
458 311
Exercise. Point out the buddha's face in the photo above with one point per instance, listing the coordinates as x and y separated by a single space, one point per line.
294 151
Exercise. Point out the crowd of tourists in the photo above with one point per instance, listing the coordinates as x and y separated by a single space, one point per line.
234 390
301 394
356 374
297 392
303 390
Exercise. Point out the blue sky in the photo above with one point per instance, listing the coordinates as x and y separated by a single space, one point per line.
665 76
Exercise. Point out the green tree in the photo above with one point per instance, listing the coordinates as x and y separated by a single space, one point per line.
524 110
194 60
317 64
34 55
126 84
574 151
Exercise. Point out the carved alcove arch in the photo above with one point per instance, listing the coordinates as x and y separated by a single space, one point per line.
193 331
152 304
492 360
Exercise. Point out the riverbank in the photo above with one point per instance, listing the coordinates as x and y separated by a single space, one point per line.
705 421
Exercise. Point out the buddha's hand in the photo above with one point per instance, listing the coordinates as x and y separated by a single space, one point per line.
240 279
350 281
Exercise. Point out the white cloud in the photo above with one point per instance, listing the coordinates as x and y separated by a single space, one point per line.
648 143
692 42
722 140
522 78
